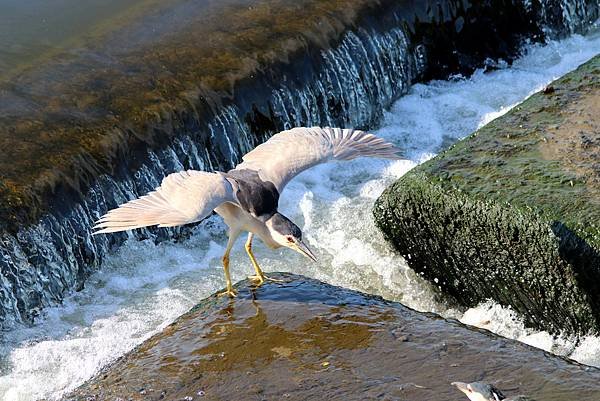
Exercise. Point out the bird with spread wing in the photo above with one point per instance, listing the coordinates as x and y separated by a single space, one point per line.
247 197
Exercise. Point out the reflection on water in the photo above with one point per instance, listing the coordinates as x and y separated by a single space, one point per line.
32 32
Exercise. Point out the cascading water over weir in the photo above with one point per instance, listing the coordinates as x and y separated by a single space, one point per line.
343 70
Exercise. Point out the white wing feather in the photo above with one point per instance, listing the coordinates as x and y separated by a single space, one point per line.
182 198
288 153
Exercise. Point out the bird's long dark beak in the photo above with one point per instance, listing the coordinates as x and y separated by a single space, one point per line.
304 250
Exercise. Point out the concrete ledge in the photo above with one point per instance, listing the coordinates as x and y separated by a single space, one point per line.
303 340
160 71
512 213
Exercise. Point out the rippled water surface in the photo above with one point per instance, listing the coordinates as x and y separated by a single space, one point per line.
143 287
31 28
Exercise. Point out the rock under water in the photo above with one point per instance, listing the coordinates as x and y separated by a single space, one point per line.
306 340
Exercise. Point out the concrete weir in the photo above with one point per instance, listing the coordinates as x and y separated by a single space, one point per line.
512 212
165 86
303 339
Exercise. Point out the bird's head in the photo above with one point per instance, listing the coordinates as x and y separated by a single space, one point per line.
285 233
479 391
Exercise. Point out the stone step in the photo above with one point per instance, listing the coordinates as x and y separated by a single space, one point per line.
306 340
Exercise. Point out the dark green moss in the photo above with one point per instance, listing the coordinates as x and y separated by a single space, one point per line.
511 213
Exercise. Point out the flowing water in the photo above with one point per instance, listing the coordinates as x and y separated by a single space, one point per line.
143 287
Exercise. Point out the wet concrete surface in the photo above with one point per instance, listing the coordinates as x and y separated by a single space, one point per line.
306 340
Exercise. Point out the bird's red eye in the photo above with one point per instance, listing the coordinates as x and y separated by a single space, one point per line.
289 238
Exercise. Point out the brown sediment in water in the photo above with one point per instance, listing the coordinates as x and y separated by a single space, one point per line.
155 71
136 79
305 340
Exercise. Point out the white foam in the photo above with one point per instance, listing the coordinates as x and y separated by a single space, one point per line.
143 287
504 321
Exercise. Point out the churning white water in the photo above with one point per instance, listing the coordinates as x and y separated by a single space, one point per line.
143 286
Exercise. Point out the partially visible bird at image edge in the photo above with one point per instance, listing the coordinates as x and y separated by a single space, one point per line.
247 196
480 391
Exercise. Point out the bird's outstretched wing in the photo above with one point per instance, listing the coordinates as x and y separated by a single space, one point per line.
288 153
183 197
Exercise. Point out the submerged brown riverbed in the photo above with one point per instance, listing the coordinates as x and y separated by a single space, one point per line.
305 340
126 75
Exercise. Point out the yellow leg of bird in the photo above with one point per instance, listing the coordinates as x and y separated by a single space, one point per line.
260 277
229 291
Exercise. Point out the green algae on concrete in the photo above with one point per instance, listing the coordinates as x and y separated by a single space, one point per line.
306 340
512 213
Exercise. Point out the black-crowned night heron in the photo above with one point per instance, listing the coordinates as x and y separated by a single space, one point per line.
480 391
247 196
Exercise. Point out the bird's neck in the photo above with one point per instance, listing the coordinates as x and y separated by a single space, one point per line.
266 237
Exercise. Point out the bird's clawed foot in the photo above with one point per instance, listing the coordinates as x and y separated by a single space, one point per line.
259 279
230 292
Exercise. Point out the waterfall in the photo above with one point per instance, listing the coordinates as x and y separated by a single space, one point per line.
358 78
564 17
352 83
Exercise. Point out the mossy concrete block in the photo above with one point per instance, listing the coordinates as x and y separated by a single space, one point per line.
512 212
